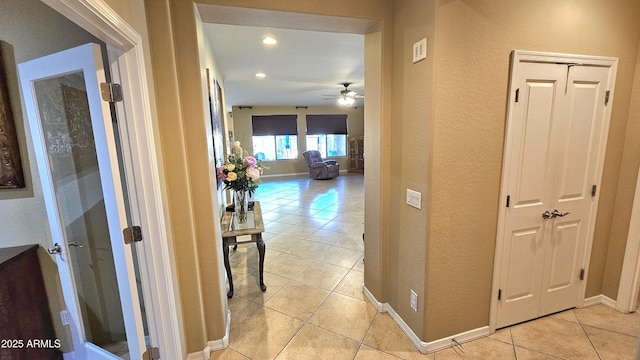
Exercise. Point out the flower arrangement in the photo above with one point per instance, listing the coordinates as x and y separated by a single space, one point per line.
241 171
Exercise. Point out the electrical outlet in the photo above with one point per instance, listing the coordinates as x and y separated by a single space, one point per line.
65 317
414 198
413 301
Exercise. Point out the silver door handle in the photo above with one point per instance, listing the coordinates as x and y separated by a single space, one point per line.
558 213
547 215
73 243
56 249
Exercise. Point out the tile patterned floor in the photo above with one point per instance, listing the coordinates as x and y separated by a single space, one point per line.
314 307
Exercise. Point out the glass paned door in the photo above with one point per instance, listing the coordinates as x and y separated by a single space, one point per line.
78 166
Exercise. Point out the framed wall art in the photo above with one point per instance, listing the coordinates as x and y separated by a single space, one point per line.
11 175
215 106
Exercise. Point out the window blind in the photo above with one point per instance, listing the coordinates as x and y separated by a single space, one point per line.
274 125
327 124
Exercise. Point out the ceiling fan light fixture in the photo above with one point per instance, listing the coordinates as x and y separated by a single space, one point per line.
345 100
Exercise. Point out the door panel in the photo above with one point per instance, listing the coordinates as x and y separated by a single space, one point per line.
530 187
564 247
561 281
64 110
75 149
537 113
582 129
522 283
554 142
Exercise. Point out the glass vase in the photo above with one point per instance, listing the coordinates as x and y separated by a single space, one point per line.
241 205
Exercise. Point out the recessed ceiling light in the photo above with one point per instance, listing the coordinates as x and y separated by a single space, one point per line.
260 75
269 41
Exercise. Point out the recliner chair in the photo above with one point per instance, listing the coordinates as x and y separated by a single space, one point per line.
319 169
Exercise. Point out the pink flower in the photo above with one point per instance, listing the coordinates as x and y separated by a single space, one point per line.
250 161
220 172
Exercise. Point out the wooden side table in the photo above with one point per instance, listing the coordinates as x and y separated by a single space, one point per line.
231 230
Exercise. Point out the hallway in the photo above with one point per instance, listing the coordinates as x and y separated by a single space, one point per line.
314 307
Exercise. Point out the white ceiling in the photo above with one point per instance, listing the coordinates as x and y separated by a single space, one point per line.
302 67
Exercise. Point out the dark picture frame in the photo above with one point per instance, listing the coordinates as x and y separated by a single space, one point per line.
217 115
11 175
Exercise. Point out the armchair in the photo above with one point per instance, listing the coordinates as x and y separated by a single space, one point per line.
319 169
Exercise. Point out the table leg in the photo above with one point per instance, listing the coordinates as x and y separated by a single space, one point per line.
227 266
261 249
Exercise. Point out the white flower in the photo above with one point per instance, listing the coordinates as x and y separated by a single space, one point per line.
253 173
236 148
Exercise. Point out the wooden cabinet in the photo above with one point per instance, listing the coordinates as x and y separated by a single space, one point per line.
26 329
356 154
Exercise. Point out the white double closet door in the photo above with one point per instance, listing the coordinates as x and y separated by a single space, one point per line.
556 135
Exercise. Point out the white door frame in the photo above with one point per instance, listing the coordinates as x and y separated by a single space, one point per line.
140 163
630 278
534 56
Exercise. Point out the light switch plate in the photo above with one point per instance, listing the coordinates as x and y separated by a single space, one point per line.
414 198
420 50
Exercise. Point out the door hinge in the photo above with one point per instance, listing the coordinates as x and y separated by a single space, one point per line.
606 97
152 353
594 188
499 294
517 95
111 92
508 200
132 234
581 274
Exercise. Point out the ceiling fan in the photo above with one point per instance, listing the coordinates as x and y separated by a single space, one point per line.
347 96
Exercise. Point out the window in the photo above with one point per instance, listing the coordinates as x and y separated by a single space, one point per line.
275 137
330 145
327 134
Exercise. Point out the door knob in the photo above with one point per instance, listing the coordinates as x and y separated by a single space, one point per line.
547 215
558 213
56 249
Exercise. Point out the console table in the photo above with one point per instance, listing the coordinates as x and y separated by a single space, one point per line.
231 230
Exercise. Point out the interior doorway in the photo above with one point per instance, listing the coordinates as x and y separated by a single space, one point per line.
126 62
372 90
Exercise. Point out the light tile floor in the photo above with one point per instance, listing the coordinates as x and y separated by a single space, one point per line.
314 307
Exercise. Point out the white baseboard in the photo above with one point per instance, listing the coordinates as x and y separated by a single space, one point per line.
600 299
224 342
284 175
380 307
272 176
205 354
460 338
422 346
213 345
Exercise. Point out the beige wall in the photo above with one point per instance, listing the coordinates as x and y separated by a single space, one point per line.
411 137
243 132
472 66
626 191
